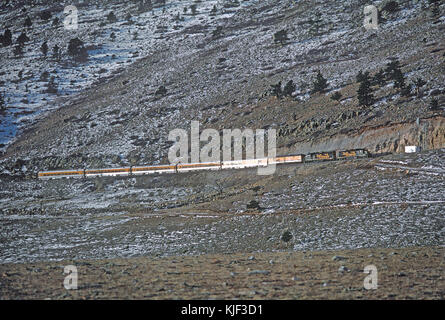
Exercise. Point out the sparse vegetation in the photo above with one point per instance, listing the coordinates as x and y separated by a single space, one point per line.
419 83
22 39
7 38
286 236
28 22
111 17
161 91
51 87
379 78
18 51
434 104
289 88
56 53
77 50
276 90
253 205
391 7
44 48
2 102
364 92
218 32
336 96
320 84
281 37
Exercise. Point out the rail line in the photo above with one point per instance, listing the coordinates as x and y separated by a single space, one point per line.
189 167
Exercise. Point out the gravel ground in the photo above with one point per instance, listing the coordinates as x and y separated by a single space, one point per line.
410 273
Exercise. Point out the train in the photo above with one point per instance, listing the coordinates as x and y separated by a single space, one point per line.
218 165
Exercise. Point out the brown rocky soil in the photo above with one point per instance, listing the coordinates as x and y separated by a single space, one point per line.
409 273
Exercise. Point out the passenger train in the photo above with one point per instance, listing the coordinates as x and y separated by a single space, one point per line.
219 165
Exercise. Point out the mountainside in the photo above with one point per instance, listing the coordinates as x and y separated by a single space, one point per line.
132 72
218 68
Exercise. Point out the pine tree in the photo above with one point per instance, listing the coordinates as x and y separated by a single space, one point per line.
44 48
2 102
77 50
22 39
281 37
7 38
218 32
45 15
406 90
56 52
214 10
360 76
364 92
419 83
336 96
56 22
289 88
44 76
28 22
399 79
391 69
18 50
434 104
111 17
193 8
320 84
162 91
51 86
379 78
276 90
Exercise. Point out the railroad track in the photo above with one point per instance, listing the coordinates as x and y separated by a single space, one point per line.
190 167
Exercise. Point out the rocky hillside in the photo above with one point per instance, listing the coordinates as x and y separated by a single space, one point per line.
217 63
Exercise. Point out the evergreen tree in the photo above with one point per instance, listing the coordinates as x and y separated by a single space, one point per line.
214 10
28 22
45 15
419 83
336 96
364 92
391 69
435 11
281 37
18 50
2 102
56 52
379 78
22 39
44 48
77 50
399 79
218 32
193 8
111 17
360 76
320 84
276 90
44 76
51 86
7 38
289 88
161 91
56 22
406 90
434 104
